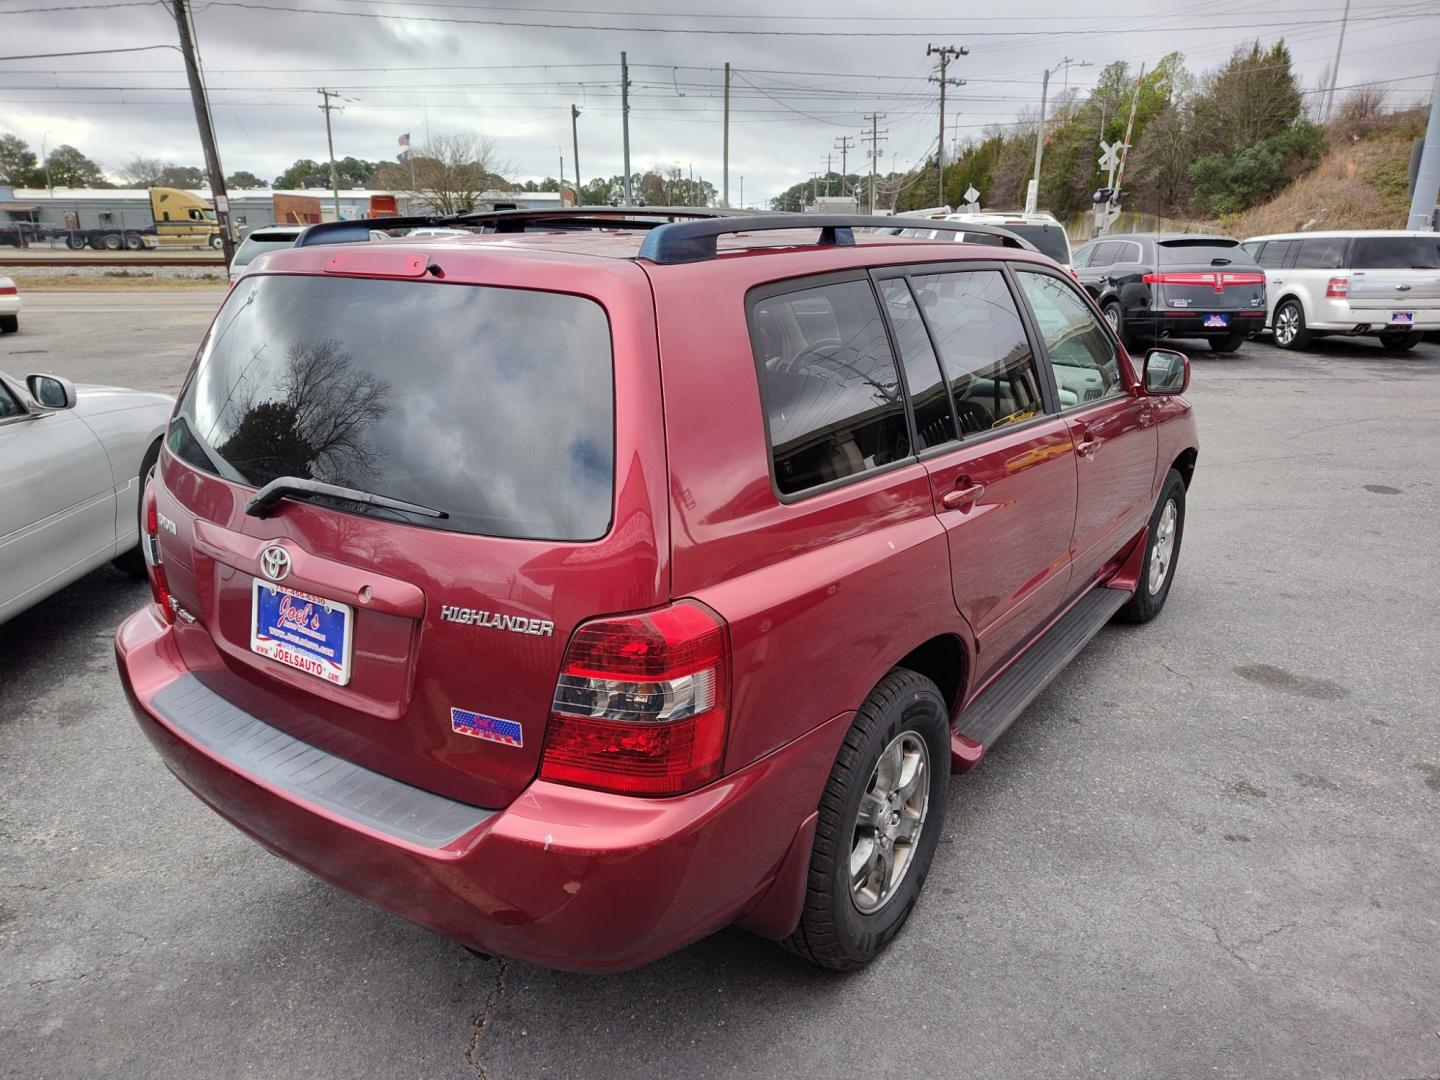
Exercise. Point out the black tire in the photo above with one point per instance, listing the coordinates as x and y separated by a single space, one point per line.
133 243
133 561
1230 342
1115 316
112 242
1401 341
216 242
1145 604
1285 336
9 324
75 242
833 931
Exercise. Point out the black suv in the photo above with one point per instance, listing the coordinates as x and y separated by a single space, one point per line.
1174 285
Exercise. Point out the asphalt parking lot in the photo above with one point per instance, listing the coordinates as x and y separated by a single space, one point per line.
1211 849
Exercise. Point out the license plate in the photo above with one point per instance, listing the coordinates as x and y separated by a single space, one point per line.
1402 318
305 632
1217 321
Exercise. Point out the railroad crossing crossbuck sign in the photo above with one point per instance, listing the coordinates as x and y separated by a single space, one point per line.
1110 159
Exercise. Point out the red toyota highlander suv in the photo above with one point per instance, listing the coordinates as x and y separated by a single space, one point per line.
588 584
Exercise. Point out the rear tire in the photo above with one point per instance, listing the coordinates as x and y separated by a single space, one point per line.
9 324
216 243
1230 342
848 918
1115 316
133 561
1403 341
1290 332
133 243
111 242
1162 552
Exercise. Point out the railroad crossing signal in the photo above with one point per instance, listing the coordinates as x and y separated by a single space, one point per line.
1111 156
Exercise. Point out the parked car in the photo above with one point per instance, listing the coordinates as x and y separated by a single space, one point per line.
72 462
1043 230
1174 285
1380 282
574 593
9 306
259 241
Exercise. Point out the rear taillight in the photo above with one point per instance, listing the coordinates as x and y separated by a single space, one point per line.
1218 280
150 544
1338 288
1240 277
9 290
642 703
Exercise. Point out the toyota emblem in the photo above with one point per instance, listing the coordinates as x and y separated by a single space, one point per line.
275 563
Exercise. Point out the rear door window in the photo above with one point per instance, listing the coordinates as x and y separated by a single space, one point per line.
1084 360
494 406
934 423
833 404
1104 254
978 332
1273 253
1320 253
1396 253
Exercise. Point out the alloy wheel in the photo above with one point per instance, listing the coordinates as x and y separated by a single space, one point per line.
1163 551
889 822
1287 323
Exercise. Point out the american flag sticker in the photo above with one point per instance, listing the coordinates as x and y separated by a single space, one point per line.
491 728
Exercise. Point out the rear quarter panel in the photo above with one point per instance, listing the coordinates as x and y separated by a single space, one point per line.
823 595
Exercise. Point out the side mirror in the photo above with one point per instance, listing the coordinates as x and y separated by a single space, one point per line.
1166 372
51 391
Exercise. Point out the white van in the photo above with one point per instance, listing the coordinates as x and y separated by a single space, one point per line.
1383 282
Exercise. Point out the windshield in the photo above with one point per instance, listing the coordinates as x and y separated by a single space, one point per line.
257 245
1202 252
1396 253
492 405
1048 239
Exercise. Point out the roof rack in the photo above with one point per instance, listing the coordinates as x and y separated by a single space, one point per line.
695 241
513 221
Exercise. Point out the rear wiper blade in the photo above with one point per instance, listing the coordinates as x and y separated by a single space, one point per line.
296 487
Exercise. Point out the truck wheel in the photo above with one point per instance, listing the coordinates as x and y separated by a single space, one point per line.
216 243
1290 332
881 816
133 243
112 242
1400 341
1162 552
74 242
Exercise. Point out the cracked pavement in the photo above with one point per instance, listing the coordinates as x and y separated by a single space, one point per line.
1211 849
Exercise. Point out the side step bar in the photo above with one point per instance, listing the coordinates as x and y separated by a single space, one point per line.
1001 703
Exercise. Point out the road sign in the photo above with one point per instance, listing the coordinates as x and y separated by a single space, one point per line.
971 195
1110 158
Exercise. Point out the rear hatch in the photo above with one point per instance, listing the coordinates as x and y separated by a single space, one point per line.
424 647
1206 276
1397 278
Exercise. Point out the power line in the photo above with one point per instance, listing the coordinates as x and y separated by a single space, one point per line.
87 52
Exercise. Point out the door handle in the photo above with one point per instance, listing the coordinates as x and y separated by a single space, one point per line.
1086 445
959 496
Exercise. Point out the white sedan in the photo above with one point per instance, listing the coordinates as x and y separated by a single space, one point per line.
9 306
73 461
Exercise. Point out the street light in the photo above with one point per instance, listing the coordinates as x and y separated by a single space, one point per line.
1034 193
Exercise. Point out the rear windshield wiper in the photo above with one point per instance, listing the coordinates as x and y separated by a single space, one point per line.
296 487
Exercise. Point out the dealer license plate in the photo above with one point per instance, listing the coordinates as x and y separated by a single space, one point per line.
305 632
1217 321
1402 318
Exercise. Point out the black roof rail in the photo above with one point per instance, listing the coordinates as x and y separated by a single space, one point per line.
512 221
695 241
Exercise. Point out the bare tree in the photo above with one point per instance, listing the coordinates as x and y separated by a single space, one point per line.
448 174
143 172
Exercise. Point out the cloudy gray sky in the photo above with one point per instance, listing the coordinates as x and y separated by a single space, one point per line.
510 71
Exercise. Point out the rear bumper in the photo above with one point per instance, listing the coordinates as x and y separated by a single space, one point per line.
1191 324
1333 316
563 877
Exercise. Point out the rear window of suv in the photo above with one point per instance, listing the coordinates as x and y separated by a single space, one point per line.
495 406
1396 253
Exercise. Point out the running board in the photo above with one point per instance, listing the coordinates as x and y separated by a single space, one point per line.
1001 703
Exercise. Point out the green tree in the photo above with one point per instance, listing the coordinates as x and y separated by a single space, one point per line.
352 172
241 179
18 163
1253 96
304 174
68 167
1227 184
181 176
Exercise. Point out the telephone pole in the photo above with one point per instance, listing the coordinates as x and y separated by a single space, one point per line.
575 141
829 168
1032 197
946 54
1335 67
330 139
625 123
874 139
725 197
844 147
207 133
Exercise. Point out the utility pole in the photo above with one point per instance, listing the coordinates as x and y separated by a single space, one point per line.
874 140
1033 195
575 140
742 192
829 169
844 147
946 53
625 123
725 197
1427 178
1335 67
207 133
334 177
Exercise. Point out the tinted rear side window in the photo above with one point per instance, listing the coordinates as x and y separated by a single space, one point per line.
1273 253
933 422
828 381
1320 253
493 405
1200 252
1396 253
